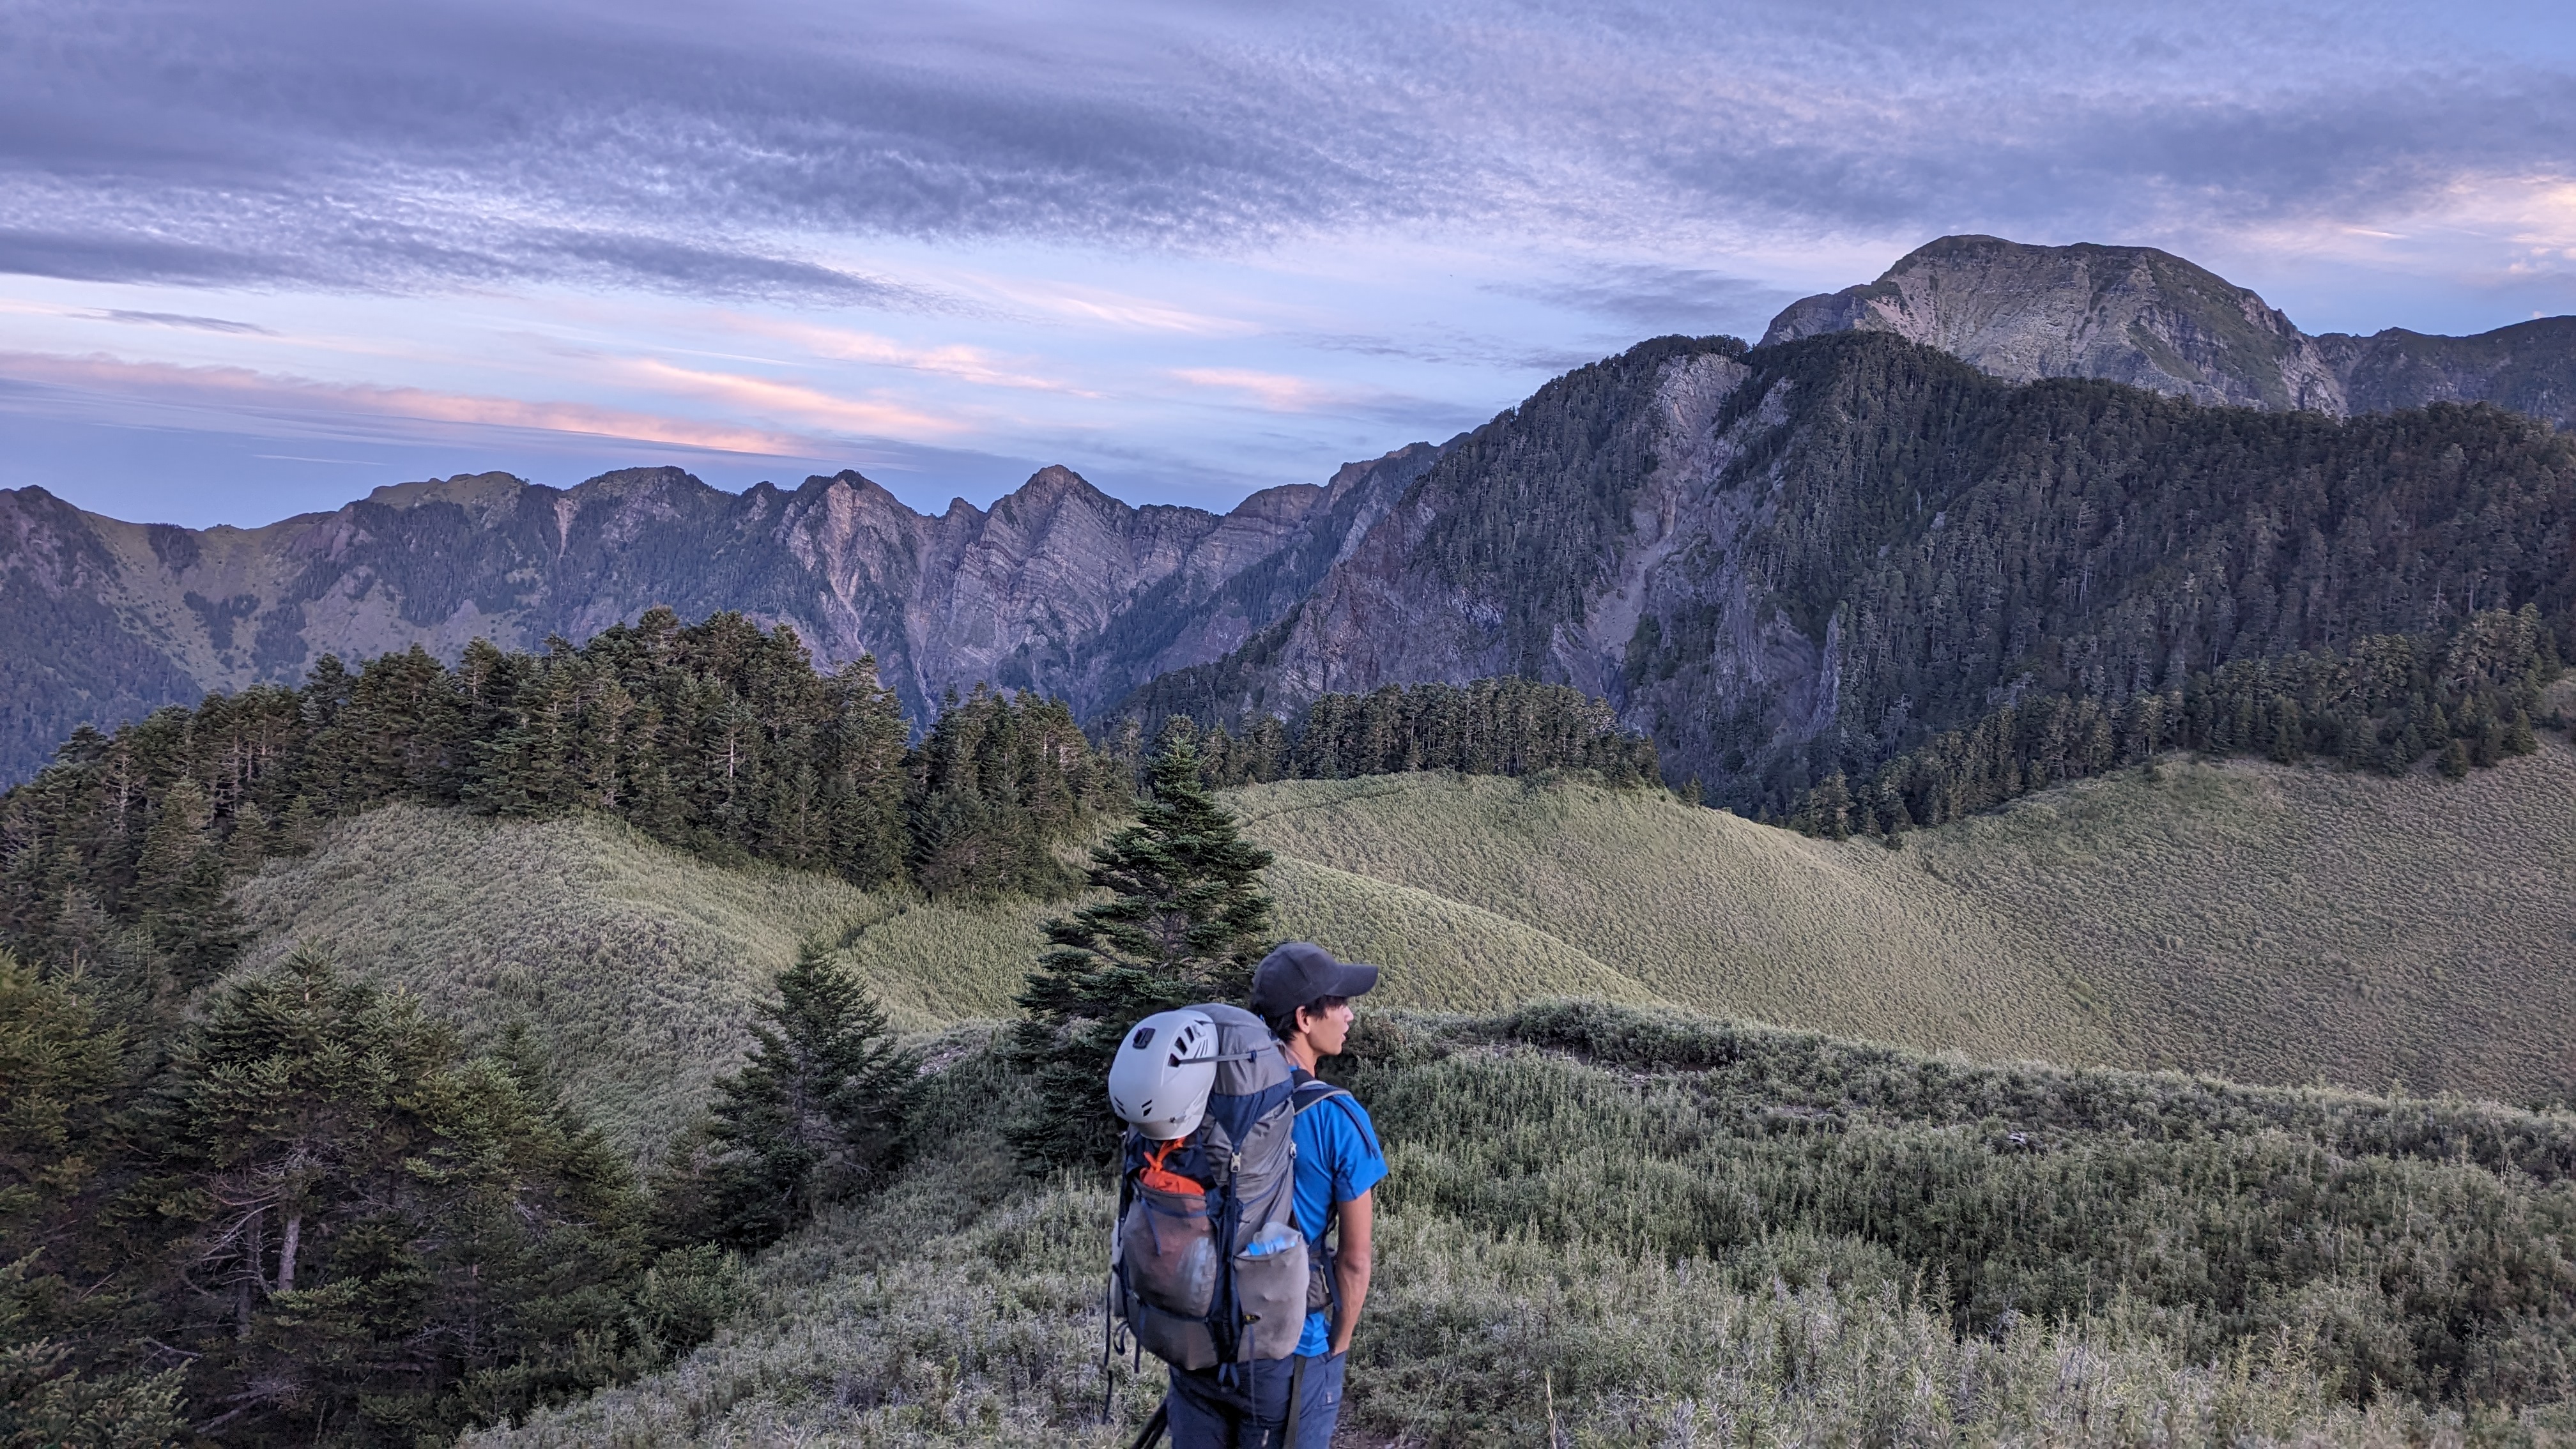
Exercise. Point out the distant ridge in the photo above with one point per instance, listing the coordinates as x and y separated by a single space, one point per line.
1058 587
2151 319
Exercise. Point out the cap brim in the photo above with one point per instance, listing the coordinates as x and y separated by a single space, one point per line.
1356 979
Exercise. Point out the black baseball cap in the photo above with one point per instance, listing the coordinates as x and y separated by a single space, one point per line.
1299 973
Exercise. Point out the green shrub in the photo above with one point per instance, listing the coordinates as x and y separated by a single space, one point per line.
1684 1231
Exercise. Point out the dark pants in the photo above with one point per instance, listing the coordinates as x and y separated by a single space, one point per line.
1207 1416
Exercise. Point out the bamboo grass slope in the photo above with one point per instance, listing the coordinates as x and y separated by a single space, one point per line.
1608 1226
2263 922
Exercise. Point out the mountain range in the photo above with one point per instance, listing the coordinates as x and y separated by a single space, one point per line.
1058 587
1996 468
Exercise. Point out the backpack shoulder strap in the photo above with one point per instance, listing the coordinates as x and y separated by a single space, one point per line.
1311 1090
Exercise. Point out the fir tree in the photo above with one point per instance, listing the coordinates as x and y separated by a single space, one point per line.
1187 921
815 1117
180 886
368 1221
47 1399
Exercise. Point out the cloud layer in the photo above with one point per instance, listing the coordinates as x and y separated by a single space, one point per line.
724 151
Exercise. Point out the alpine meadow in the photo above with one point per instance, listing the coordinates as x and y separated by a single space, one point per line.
1997 868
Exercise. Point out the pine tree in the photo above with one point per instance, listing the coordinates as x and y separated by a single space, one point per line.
815 1117
2517 737
59 1065
1187 921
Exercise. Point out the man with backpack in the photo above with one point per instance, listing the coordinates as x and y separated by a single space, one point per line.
1304 995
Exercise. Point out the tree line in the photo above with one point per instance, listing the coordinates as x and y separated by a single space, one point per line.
2468 700
1500 726
718 738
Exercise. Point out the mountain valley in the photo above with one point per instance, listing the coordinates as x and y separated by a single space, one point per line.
2237 919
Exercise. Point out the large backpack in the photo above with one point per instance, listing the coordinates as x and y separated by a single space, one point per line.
1207 1266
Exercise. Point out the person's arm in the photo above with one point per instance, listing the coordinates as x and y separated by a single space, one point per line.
1351 1267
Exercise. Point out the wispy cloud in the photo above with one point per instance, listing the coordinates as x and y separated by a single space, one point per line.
809 405
245 387
965 364
254 141
182 320
1275 391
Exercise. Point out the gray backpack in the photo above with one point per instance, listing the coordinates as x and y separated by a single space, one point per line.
1207 1266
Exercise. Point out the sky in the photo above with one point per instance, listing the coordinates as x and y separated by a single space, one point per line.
258 258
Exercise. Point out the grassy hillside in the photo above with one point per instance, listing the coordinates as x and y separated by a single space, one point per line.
2241 918
1703 908
2257 922
634 964
1609 1227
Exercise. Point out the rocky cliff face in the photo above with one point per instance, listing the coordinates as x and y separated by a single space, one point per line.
1058 588
1611 518
2153 320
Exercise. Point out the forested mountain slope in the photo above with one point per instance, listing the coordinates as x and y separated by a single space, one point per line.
2153 320
1807 558
1058 587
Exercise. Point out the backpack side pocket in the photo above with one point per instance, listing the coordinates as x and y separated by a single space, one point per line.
1167 1250
1272 1288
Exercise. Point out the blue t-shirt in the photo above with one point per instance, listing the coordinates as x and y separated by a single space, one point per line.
1337 1160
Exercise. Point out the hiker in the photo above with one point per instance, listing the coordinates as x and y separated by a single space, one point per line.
1293 1403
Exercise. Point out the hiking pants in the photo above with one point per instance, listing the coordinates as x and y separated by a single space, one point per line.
1206 1416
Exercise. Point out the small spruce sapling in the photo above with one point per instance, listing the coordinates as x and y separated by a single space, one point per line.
1186 921
816 1116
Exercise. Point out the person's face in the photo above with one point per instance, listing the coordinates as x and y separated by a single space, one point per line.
1328 1029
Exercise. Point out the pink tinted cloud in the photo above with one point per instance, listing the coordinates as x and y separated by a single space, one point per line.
1273 391
242 387
812 405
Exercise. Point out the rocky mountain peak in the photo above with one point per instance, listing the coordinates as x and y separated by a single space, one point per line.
475 492
1054 481
2127 314
2155 320
1048 492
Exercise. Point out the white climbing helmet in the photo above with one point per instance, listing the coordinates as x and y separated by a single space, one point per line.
1160 1079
